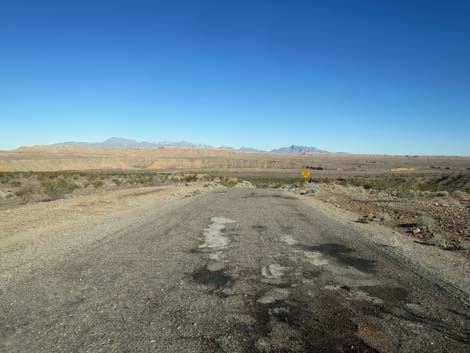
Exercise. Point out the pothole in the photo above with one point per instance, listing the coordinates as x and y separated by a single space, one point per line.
214 279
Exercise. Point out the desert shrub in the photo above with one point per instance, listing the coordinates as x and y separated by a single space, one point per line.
26 174
426 193
442 193
455 203
189 178
460 194
97 184
140 179
25 193
229 182
52 175
46 176
57 189
424 221
92 177
117 182
42 177
210 177
406 190
15 183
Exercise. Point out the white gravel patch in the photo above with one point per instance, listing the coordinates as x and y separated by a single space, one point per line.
213 238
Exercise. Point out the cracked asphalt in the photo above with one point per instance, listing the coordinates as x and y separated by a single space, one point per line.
231 270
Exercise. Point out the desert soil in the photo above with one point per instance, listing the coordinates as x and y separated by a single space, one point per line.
450 215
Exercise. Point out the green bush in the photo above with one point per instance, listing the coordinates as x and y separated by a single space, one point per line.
92 177
25 193
140 179
230 182
442 193
460 194
57 189
97 184
424 221
117 182
189 178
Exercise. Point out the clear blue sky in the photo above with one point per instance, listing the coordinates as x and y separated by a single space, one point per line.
355 76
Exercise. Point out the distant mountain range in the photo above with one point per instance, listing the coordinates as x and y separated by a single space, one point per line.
123 142
297 149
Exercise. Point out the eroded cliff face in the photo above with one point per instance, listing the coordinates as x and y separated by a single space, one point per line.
223 163
164 163
41 165
57 158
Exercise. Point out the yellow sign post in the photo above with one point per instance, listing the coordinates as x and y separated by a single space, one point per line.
306 173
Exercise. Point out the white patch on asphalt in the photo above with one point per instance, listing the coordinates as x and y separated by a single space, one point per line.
216 256
332 287
315 258
363 296
213 238
273 271
352 281
289 240
356 294
343 275
274 295
273 274
215 266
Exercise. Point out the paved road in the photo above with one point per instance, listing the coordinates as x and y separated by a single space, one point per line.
236 270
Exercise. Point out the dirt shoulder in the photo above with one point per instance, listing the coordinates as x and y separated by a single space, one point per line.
37 223
448 269
441 219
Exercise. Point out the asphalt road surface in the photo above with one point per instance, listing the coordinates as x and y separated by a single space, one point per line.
232 270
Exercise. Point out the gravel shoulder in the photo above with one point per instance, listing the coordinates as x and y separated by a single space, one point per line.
450 269
39 232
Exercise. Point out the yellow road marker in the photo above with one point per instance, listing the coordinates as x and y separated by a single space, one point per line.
305 173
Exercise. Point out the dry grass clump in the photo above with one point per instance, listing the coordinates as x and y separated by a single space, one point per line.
424 221
25 193
57 189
